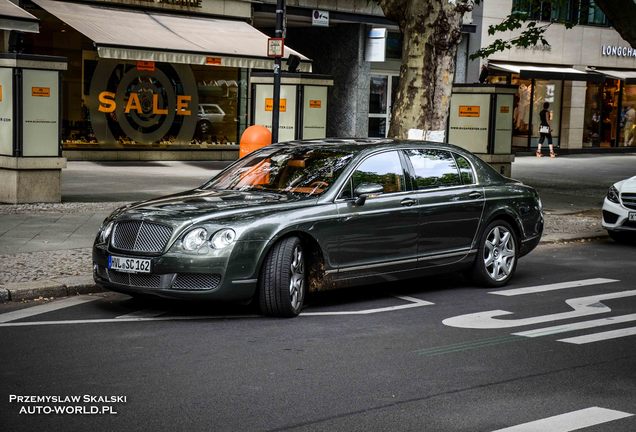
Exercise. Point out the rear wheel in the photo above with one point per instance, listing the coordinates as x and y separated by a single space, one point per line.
283 281
497 256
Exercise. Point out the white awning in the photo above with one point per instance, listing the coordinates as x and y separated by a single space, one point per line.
13 17
128 34
628 76
545 72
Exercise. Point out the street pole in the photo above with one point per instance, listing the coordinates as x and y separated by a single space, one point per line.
279 33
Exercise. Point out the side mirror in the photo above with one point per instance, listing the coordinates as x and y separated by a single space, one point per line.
363 190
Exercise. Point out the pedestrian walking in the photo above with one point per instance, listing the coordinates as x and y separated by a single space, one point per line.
545 130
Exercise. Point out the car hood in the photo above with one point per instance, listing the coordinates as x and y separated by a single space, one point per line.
199 205
627 185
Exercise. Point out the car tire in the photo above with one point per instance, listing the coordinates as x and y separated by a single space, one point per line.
497 255
622 237
283 280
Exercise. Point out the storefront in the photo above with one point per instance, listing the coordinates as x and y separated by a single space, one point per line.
152 84
537 85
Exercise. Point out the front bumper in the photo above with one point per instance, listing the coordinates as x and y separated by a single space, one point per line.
616 217
231 276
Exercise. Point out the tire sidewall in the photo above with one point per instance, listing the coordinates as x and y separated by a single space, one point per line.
479 273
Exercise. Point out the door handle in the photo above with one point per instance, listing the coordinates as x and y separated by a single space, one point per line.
474 195
408 202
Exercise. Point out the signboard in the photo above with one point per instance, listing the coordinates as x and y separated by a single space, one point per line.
320 18
40 92
466 127
40 119
6 111
376 45
269 105
146 66
315 112
213 61
275 47
469 110
263 112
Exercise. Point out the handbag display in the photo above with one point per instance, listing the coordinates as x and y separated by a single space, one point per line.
544 129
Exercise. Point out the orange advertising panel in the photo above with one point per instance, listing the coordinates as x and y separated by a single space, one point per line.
40 91
505 109
315 103
469 110
269 105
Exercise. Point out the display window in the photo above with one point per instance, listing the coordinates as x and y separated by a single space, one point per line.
628 116
603 113
129 104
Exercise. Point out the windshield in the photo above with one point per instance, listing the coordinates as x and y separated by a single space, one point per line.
307 171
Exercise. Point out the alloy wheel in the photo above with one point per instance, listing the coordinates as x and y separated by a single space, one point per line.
499 253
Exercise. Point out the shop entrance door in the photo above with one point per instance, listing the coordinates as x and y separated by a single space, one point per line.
382 91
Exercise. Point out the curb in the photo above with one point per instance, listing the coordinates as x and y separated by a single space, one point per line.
62 287
562 238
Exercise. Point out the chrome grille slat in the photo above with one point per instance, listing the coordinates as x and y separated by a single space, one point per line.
196 281
141 280
141 236
629 200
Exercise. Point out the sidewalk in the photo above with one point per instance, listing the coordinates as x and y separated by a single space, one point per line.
45 249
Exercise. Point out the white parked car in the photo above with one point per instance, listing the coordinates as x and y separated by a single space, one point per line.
208 115
619 210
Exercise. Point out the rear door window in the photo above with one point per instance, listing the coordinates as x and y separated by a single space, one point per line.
434 168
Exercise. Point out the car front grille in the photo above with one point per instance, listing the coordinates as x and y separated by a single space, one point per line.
141 236
176 281
139 280
629 200
196 281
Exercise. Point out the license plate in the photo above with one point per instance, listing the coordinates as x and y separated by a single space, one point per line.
129 265
632 216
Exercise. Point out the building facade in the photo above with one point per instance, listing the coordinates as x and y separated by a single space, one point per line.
587 74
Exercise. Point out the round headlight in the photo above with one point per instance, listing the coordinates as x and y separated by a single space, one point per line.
105 232
223 238
195 239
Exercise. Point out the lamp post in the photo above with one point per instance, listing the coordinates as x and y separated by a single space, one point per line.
279 34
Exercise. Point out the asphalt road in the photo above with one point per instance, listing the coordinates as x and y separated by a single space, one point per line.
420 356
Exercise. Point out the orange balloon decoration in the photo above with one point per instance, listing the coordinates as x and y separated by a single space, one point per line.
253 138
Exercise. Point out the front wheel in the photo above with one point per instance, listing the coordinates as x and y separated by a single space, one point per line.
283 281
497 255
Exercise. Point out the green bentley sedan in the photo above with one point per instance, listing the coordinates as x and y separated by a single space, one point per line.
304 216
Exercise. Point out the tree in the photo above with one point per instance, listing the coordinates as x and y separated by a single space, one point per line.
431 31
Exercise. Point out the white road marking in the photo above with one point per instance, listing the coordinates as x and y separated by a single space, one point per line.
596 337
44 308
144 313
553 287
414 302
583 306
571 421
121 320
577 326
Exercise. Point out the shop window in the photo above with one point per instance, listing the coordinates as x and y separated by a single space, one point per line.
393 46
628 116
602 118
127 104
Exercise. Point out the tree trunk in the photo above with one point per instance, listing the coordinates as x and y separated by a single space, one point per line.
431 30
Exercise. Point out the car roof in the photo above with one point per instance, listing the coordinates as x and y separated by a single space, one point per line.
357 145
